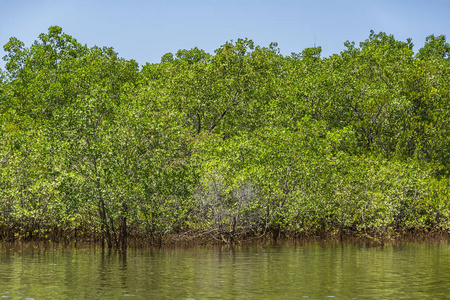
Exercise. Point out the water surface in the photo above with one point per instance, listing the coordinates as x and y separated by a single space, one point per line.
309 271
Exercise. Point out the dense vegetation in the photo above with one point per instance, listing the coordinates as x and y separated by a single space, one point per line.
237 144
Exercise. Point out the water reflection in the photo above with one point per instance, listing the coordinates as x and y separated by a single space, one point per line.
314 271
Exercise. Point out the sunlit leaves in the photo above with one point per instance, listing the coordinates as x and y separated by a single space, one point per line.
241 142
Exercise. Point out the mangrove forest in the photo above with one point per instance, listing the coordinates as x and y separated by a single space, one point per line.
239 144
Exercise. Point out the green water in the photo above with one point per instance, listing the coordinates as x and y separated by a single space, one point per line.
314 271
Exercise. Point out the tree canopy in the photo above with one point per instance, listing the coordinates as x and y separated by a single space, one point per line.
240 143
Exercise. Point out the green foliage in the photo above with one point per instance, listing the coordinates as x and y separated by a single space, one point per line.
435 48
240 143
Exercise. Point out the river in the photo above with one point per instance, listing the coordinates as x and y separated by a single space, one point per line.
302 271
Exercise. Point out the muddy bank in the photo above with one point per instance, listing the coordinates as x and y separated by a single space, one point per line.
199 238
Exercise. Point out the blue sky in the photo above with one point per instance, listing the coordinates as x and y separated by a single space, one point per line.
146 30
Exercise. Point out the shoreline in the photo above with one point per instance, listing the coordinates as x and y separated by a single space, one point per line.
188 240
